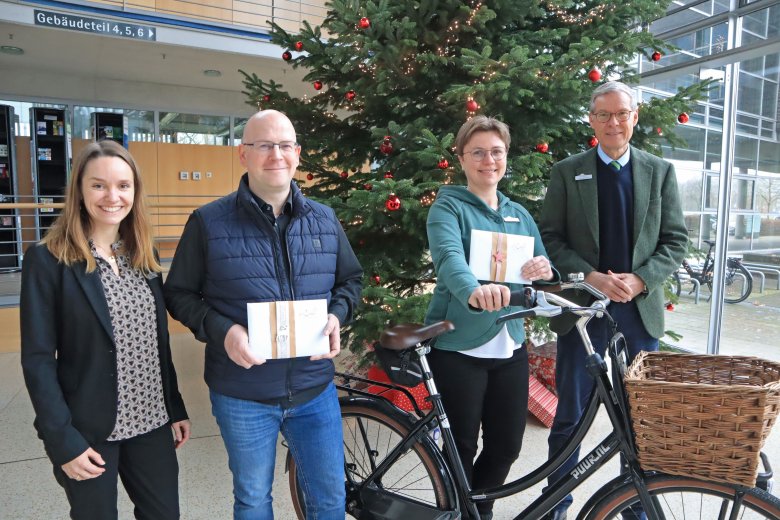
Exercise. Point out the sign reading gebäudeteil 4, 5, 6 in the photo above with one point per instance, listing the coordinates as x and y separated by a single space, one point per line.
95 25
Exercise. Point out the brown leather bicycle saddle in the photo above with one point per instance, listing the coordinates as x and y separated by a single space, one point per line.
407 335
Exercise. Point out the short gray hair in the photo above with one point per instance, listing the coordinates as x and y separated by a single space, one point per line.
613 86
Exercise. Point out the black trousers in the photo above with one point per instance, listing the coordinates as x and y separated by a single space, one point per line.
493 394
149 470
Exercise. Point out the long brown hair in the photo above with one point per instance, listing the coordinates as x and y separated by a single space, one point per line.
68 237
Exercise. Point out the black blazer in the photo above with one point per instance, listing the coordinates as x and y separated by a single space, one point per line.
69 356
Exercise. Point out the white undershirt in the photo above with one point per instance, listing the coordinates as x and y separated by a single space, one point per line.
502 346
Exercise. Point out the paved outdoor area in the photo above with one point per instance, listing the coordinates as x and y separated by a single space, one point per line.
28 490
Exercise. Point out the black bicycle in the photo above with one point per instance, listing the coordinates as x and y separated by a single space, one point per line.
396 470
737 283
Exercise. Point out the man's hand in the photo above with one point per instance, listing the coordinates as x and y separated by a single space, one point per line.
237 347
333 331
85 466
490 297
181 432
635 283
615 288
537 268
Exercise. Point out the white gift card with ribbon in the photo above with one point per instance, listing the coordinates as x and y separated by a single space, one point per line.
280 330
499 257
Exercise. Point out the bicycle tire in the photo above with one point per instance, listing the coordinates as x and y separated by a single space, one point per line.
732 278
682 497
371 428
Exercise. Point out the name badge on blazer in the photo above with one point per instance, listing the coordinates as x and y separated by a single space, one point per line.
583 177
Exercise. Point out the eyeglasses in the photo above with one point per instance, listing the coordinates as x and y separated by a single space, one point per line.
479 154
603 117
265 147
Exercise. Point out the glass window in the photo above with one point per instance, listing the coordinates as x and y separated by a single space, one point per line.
140 123
750 93
713 157
238 129
689 183
768 195
194 129
745 154
769 157
742 193
22 115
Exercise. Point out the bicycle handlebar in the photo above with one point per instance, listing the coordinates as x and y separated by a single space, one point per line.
542 301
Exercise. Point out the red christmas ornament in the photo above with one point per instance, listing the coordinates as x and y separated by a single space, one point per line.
350 95
388 174
593 141
364 23
287 55
594 75
683 118
542 147
443 164
656 56
659 131
344 175
266 98
317 85
309 177
361 242
376 279
472 106
367 187
669 307
393 203
386 147
299 46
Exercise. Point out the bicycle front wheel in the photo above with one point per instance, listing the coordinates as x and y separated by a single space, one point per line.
685 498
738 282
372 428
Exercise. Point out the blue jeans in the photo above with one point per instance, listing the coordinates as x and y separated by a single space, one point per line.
313 434
574 384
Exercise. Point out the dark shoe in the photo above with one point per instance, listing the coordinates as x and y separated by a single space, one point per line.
556 514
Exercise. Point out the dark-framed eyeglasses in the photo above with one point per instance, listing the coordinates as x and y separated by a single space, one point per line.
603 117
265 147
479 154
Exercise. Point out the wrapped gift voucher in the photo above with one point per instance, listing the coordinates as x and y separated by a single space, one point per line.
498 257
279 330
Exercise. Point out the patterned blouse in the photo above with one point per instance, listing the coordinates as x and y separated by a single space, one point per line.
140 403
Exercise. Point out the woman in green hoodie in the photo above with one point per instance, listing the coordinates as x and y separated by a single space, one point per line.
481 368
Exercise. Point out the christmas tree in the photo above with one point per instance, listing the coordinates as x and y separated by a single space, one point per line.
391 83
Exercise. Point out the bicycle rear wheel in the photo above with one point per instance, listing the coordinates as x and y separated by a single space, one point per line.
683 498
738 282
372 428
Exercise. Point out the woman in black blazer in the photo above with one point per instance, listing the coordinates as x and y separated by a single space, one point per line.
95 351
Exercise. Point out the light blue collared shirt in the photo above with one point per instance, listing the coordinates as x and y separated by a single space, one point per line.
623 159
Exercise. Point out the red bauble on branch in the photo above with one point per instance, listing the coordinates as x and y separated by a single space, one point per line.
659 131
388 174
393 202
472 106
266 98
443 164
593 141
376 279
344 175
594 75
656 56
350 95
683 118
386 147
309 177
317 85
299 46
367 187
287 55
364 23
542 147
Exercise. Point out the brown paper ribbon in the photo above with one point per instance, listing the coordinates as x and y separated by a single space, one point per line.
275 331
498 257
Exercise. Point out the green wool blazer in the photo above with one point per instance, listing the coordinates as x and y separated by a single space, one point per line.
569 225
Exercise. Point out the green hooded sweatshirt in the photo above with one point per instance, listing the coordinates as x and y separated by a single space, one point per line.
452 217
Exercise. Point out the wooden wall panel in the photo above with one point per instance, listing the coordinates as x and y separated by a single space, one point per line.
24 185
219 10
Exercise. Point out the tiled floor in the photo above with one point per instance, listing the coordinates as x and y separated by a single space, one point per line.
28 490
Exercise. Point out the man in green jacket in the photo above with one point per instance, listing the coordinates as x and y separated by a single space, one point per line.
612 213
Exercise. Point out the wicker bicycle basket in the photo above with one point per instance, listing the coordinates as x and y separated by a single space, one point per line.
702 415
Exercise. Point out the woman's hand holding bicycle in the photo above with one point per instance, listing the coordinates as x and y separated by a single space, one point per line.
493 297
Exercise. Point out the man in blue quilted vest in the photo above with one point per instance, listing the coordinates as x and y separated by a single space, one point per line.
266 242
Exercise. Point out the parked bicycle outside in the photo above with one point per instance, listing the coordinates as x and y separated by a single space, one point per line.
737 282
